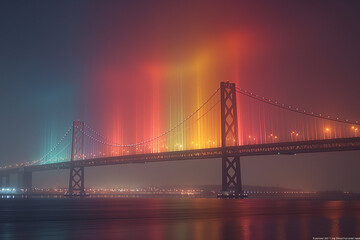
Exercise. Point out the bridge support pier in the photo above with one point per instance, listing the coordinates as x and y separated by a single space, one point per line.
231 172
7 180
25 180
231 177
76 182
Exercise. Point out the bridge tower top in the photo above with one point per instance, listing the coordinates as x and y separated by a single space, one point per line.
77 151
229 121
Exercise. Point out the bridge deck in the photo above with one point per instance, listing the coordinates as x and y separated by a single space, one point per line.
327 145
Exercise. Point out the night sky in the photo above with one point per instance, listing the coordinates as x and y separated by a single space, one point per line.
115 65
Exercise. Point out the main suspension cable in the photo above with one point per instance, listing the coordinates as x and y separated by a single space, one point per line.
110 143
293 109
59 142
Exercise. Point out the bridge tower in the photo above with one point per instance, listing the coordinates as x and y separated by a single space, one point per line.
76 181
231 173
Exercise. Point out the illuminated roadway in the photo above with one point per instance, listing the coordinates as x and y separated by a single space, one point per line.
289 148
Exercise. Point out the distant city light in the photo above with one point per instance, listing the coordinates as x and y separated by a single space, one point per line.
8 190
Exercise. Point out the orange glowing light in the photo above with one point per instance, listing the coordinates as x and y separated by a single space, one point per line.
327 129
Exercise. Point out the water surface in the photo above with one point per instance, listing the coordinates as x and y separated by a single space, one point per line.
162 219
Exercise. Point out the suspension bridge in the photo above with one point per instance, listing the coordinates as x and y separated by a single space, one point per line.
230 124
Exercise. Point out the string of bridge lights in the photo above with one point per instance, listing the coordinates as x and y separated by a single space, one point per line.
59 142
47 154
293 109
133 145
110 143
57 154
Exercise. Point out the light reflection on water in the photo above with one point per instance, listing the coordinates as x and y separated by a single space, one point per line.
162 219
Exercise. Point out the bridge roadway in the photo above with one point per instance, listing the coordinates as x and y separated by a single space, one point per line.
289 148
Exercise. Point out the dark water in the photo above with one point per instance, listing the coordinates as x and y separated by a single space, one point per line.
157 219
